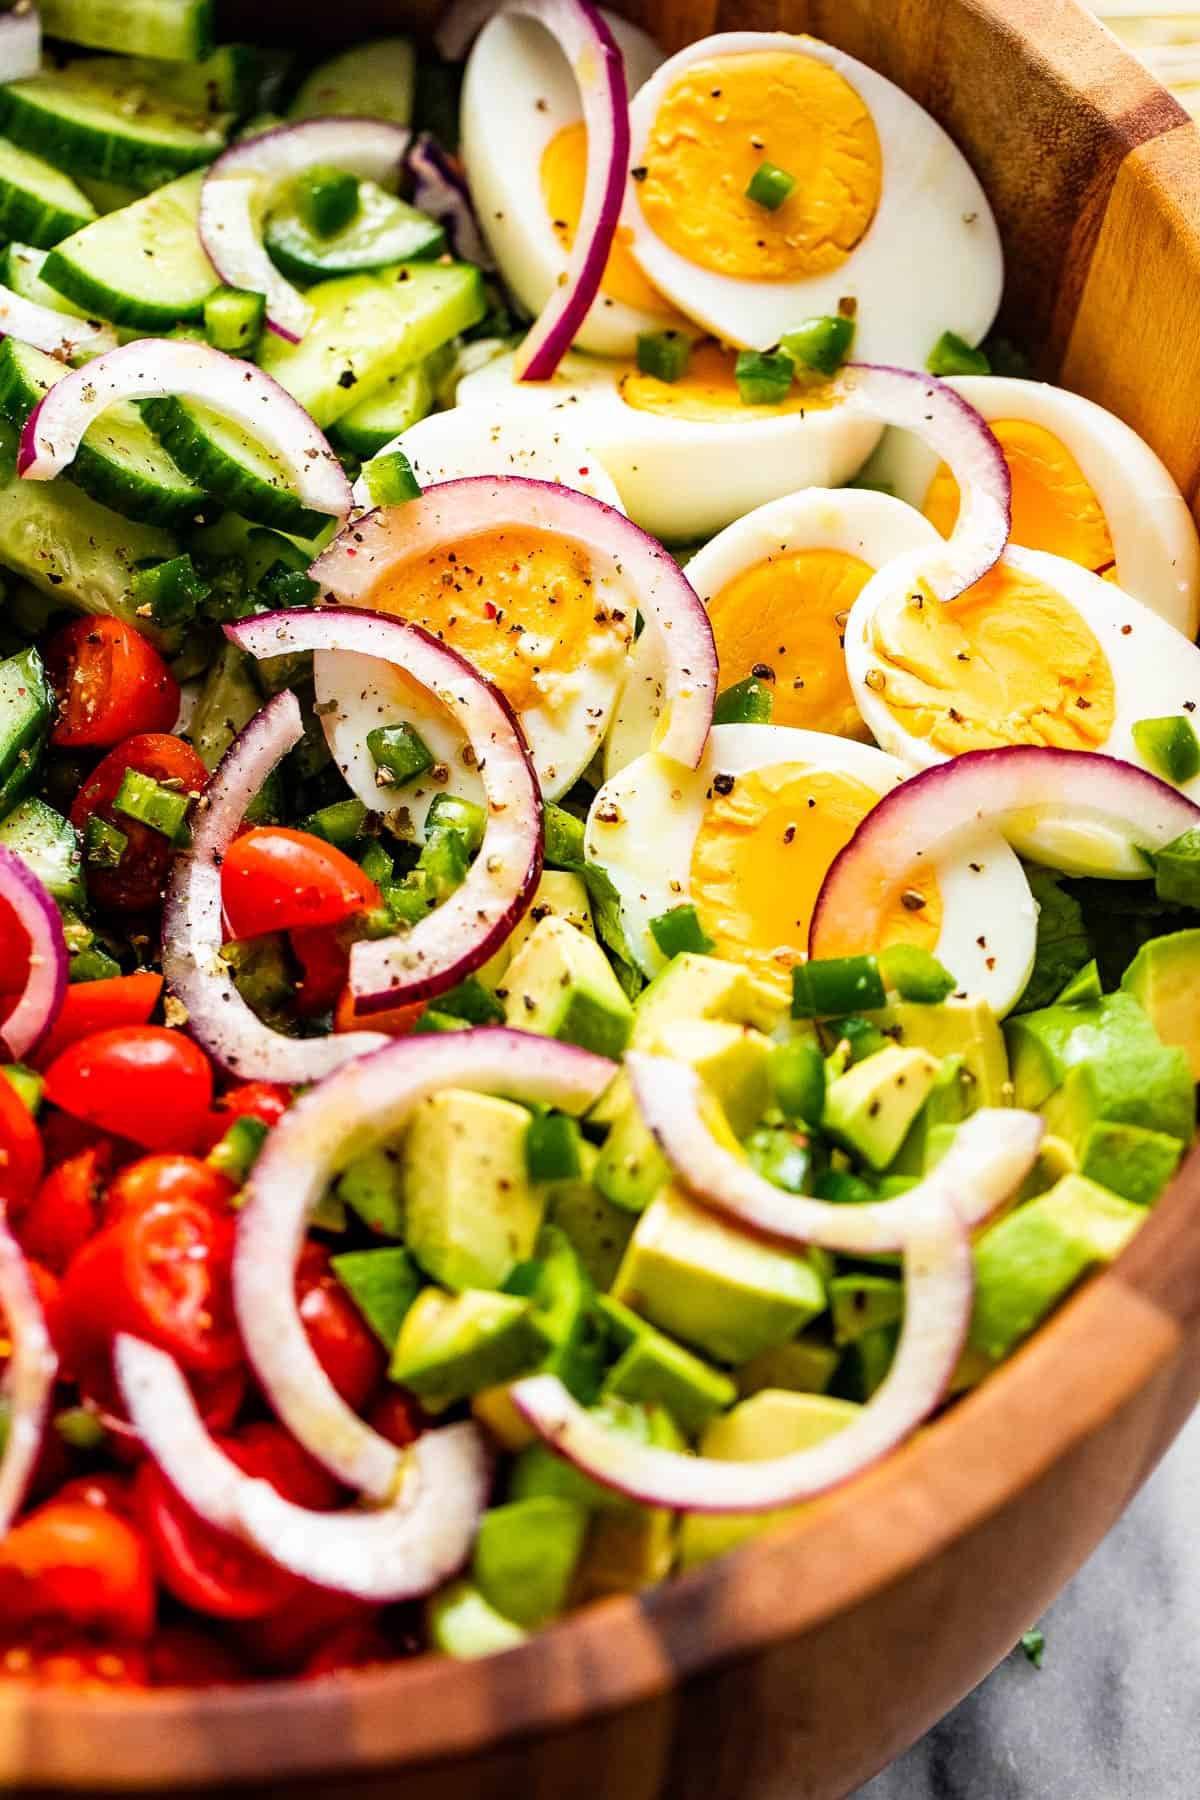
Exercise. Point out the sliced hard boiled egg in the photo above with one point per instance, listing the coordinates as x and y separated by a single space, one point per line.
779 585
1084 486
879 199
451 444
688 456
747 839
1041 651
524 145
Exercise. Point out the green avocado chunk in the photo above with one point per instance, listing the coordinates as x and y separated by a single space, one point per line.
525 1557
1129 1160
451 1345
598 1230
461 1623
1164 978
1083 1063
870 1108
655 1369
373 1187
471 1213
862 1303
383 1285
965 1026
560 983
805 1366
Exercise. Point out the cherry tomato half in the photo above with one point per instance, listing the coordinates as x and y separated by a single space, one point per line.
21 1154
142 1082
168 1175
136 884
266 1101
65 1211
398 1417
276 879
66 1663
99 1006
358 1646
110 683
325 962
77 1564
346 1348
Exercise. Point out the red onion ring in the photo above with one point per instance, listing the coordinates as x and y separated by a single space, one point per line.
460 934
962 439
938 1288
348 1114
440 191
452 511
155 366
419 1536
916 823
29 1378
218 1017
46 983
20 42
55 333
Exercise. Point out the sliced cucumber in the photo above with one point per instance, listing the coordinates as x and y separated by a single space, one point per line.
384 230
175 30
91 129
120 461
69 546
226 82
21 270
143 266
49 845
373 80
368 427
228 464
367 328
38 204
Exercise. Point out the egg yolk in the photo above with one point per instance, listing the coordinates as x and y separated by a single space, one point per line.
564 175
717 122
518 604
708 390
788 614
1053 508
761 854
1009 662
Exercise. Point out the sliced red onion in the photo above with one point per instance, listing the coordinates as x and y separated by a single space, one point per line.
440 190
241 184
46 983
460 934
29 1377
962 438
1011 788
155 366
990 1156
354 1111
55 333
455 510
938 1290
197 975
418 1536
20 43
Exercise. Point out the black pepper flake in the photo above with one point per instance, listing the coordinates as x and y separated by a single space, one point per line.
723 784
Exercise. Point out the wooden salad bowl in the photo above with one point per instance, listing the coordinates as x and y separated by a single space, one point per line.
798 1666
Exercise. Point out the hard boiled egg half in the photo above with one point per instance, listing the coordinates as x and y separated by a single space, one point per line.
882 210
779 585
747 839
1041 651
1084 486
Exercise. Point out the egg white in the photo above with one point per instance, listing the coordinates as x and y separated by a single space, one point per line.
873 527
448 445
643 824
518 93
680 478
930 260
1154 536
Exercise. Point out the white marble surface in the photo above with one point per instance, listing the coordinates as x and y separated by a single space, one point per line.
1114 1713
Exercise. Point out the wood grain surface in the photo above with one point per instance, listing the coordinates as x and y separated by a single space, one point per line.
797 1667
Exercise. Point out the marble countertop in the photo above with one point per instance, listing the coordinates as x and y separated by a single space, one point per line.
1114 1712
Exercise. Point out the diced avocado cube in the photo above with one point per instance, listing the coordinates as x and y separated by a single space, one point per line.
383 1285
451 1345
461 1623
704 987
560 983
1127 1072
1132 1162
373 1187
1164 978
805 1366
946 1106
770 1424
960 1026
26 710
539 1471
862 1303
598 1230
493 1408
560 895
723 1292
1094 1092
525 1557
1029 1260
633 1546
471 1212
870 1108
562 1294
864 1364
655 1369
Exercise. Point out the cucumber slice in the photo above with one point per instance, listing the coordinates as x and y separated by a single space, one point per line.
366 328
143 266
383 231
120 461
70 547
21 270
49 845
91 129
229 464
225 82
371 425
38 204
374 81
176 30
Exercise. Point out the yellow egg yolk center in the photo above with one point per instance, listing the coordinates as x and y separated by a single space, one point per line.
1053 507
1009 662
709 390
788 614
519 604
564 175
718 122
762 852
